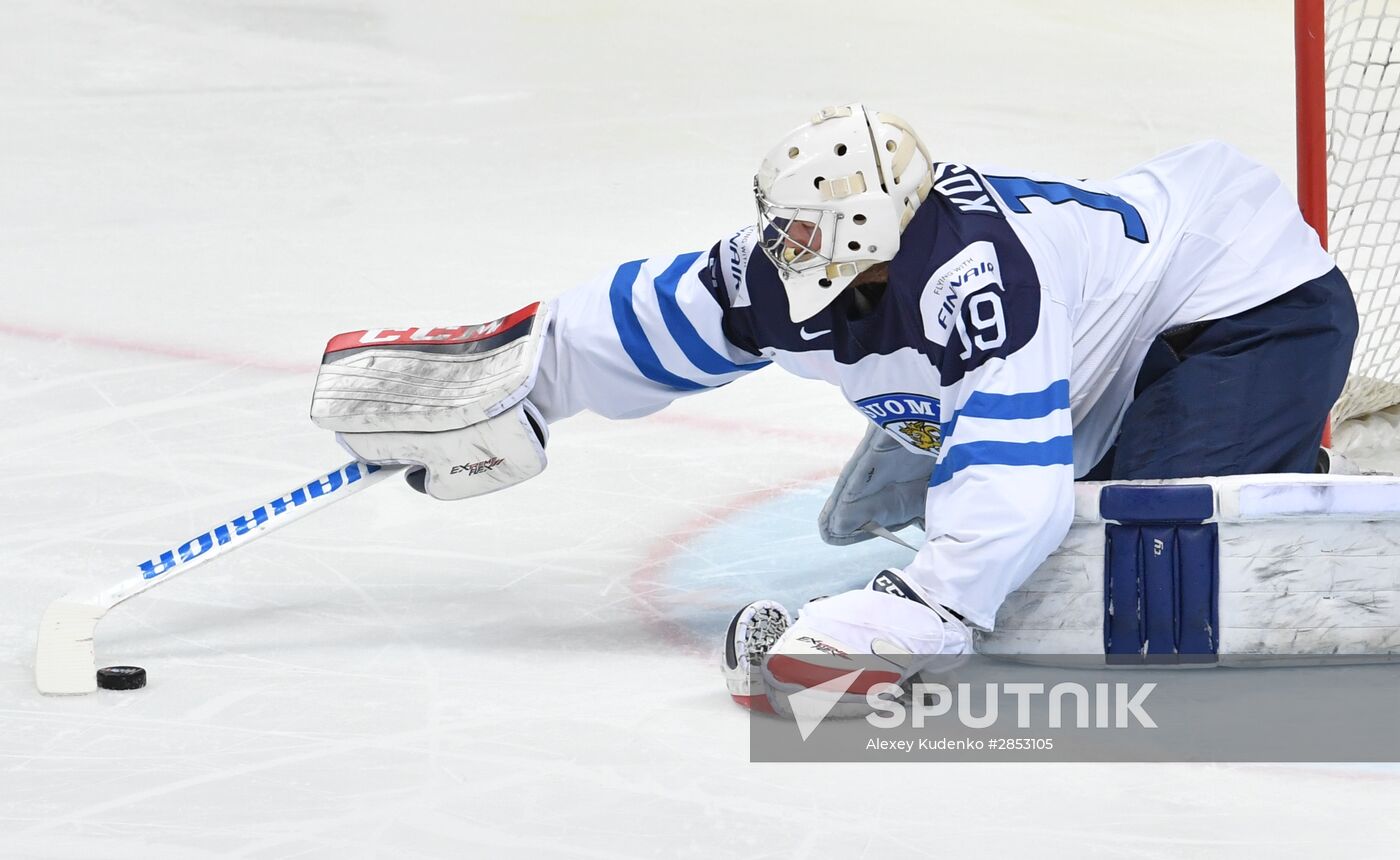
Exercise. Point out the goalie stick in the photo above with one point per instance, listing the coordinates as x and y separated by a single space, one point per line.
65 659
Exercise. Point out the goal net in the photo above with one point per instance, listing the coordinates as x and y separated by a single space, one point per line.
1348 76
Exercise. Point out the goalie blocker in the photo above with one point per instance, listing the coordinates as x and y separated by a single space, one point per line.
447 402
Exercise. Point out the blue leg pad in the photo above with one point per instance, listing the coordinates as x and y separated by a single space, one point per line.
1161 574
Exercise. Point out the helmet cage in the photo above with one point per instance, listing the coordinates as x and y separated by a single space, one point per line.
797 239
833 198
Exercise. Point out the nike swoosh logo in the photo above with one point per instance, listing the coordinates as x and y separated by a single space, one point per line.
812 335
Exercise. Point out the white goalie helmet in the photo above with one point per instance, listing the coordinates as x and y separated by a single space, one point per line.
833 198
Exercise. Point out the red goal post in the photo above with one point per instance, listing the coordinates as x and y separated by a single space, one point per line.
1347 66
1310 75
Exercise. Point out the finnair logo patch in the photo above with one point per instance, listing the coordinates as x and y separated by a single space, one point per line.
738 249
971 269
910 418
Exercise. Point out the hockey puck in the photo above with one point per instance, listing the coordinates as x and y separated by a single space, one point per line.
121 678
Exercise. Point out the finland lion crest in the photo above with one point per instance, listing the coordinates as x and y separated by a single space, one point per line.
924 435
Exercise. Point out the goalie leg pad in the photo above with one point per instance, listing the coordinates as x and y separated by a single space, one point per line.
746 643
851 642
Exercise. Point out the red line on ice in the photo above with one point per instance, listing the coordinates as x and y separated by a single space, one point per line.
147 347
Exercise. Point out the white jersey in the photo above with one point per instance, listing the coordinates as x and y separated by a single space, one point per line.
1017 314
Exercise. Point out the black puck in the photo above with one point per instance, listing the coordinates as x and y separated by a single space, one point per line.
121 678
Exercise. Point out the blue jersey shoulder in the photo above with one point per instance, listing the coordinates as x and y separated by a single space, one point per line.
978 289
961 290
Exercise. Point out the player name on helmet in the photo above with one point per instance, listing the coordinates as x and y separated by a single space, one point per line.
225 532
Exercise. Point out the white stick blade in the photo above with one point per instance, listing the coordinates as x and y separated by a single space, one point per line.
64 662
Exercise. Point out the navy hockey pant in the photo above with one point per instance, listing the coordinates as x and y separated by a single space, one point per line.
1246 394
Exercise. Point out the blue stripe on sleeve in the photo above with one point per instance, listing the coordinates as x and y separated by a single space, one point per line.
700 353
634 339
1029 404
1058 451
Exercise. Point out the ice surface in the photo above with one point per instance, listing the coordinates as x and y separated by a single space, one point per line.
195 194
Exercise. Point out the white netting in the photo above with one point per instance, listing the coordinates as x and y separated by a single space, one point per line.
1363 188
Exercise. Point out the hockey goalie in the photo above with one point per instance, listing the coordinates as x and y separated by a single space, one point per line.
1004 332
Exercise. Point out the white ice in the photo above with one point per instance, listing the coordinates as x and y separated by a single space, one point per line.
195 194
